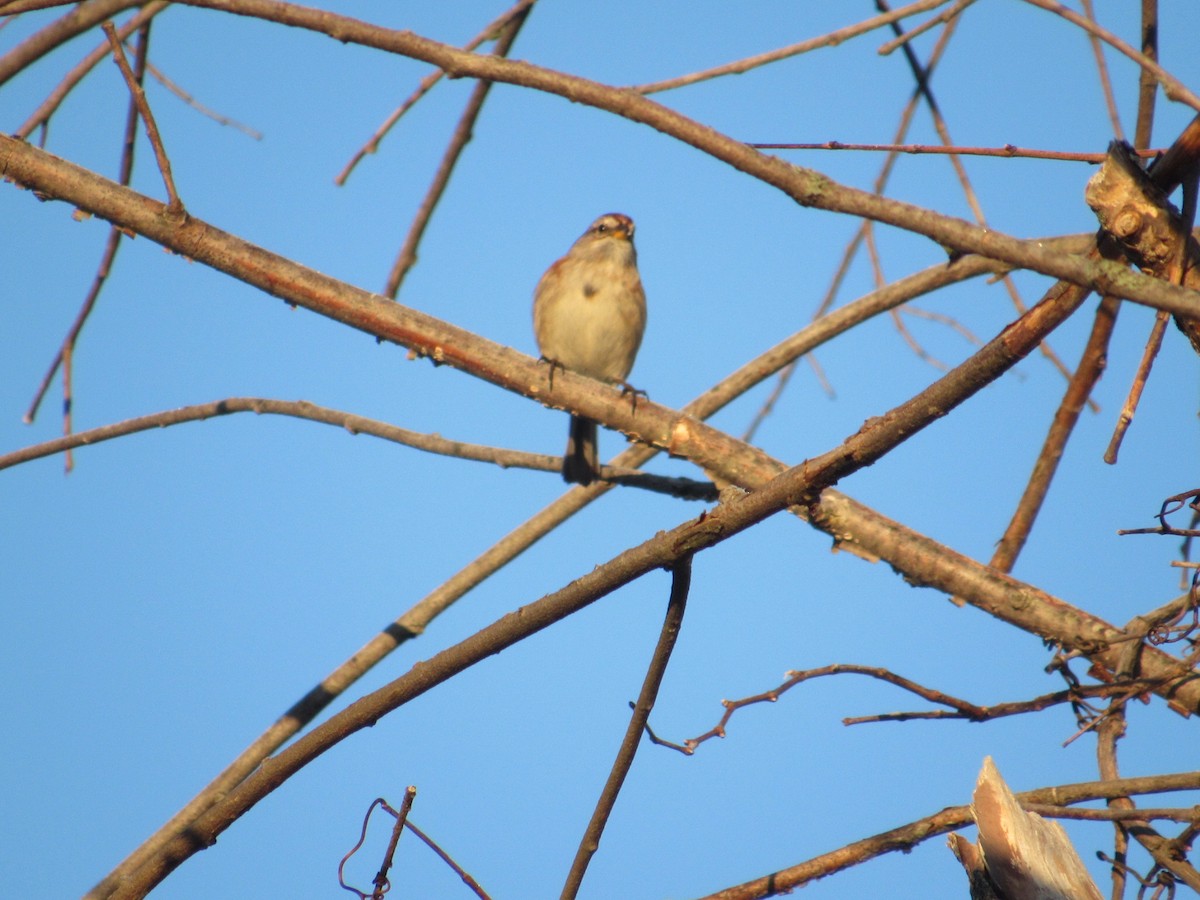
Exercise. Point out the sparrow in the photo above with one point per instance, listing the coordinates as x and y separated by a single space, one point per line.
589 314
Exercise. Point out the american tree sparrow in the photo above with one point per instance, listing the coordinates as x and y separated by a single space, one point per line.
589 314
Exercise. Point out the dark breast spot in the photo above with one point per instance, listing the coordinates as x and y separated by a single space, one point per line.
589 290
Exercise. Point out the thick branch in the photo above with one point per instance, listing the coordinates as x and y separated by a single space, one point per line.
922 560
805 186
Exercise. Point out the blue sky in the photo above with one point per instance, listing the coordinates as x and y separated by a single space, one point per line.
181 588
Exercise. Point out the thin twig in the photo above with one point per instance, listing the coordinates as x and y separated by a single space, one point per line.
852 247
80 18
110 248
68 356
1174 88
1182 157
491 32
921 76
407 257
915 345
682 488
1172 814
1147 84
448 860
1129 408
1008 151
1083 381
1110 100
381 882
906 837
174 205
1109 729
681 579
195 104
832 39
41 116
14 8
903 38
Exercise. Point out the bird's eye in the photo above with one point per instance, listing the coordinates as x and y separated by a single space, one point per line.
601 228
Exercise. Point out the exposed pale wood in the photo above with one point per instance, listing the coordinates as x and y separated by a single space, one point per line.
1020 855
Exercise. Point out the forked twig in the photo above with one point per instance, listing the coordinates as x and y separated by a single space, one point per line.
958 708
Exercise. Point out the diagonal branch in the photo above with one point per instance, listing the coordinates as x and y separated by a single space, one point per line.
174 206
651 423
83 17
413 622
681 579
805 186
125 173
1172 86
832 39
798 486
407 257
41 116
426 85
